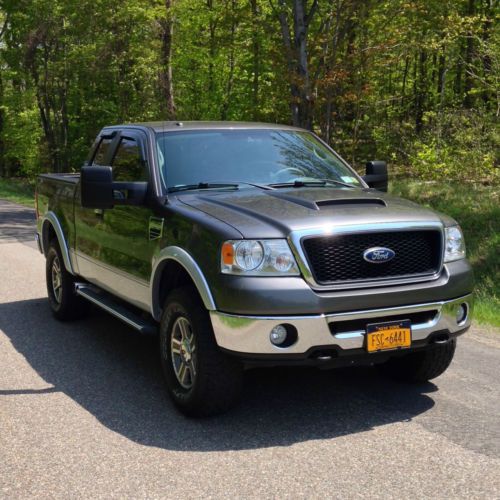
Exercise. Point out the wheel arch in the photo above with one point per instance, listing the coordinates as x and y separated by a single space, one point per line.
51 227
175 267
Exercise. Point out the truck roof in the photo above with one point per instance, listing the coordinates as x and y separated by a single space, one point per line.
202 125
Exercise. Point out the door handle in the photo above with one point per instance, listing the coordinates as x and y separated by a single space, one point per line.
99 212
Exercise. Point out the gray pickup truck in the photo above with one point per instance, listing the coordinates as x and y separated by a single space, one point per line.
248 244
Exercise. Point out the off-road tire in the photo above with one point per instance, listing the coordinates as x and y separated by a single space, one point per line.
421 366
216 386
68 306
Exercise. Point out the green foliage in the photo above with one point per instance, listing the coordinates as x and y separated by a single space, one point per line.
458 145
70 69
17 191
413 82
21 136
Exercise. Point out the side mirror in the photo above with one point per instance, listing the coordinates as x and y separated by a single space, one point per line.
99 191
376 175
97 187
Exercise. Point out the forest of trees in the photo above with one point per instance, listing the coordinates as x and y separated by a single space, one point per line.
415 82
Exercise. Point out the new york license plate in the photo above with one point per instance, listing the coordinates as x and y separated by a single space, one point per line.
386 336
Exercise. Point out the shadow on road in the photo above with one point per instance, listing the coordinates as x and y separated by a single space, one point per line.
114 374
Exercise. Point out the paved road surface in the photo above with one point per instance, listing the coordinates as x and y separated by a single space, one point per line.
83 414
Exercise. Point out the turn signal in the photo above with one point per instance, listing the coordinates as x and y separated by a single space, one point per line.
228 254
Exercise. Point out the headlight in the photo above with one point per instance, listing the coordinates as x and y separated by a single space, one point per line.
258 258
455 244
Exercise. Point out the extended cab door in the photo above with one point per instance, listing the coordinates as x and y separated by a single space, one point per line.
119 244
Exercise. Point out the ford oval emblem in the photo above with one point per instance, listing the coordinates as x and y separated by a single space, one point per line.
378 255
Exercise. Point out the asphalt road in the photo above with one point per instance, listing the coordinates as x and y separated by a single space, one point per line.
83 414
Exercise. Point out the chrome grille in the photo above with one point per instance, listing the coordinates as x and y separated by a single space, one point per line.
338 258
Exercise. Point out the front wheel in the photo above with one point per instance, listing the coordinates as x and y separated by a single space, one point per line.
421 366
200 378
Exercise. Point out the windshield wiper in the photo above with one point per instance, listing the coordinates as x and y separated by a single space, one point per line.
202 185
318 182
217 184
254 184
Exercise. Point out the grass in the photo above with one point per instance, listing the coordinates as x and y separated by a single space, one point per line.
17 191
477 209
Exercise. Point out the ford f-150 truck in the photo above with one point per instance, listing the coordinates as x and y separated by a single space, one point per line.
248 244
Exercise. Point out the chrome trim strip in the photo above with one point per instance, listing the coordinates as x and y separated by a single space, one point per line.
127 287
51 218
250 334
119 272
185 260
295 241
386 311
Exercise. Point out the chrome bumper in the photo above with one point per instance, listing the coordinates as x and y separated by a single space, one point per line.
250 334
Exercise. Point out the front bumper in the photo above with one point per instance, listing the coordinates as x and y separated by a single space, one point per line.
249 335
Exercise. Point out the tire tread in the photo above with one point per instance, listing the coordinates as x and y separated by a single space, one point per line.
218 387
421 366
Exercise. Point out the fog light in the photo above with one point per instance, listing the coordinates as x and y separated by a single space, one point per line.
278 335
461 314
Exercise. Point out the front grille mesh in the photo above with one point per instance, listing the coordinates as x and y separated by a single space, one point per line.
339 258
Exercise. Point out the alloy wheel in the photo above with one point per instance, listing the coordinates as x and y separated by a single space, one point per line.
57 279
183 352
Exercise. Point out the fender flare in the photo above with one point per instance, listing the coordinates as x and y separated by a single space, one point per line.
185 259
50 218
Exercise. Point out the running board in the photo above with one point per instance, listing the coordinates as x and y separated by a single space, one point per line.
108 303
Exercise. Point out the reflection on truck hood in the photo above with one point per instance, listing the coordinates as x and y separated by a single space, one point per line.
258 213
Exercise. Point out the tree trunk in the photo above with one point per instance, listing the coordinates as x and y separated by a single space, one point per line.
301 103
469 54
421 91
403 86
211 27
486 58
441 78
166 81
230 79
2 119
255 59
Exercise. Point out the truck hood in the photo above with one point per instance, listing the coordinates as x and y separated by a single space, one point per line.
258 213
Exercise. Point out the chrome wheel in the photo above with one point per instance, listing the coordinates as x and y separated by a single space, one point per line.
183 352
56 279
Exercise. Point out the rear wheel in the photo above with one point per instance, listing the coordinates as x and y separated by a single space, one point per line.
421 366
64 302
200 378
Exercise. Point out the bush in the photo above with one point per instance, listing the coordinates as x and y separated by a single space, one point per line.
459 145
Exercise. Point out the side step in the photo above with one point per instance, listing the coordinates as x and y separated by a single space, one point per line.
107 302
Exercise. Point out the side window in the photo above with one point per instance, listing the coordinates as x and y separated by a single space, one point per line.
128 165
102 151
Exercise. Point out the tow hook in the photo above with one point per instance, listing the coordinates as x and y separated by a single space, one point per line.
441 338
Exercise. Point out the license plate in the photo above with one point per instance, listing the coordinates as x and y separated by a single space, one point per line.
386 336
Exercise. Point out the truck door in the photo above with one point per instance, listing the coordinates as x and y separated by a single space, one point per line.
89 223
124 250
127 249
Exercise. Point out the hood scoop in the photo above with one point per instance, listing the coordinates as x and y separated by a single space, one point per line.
294 199
321 204
345 202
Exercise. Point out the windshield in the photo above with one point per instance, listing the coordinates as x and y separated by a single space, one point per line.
262 157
